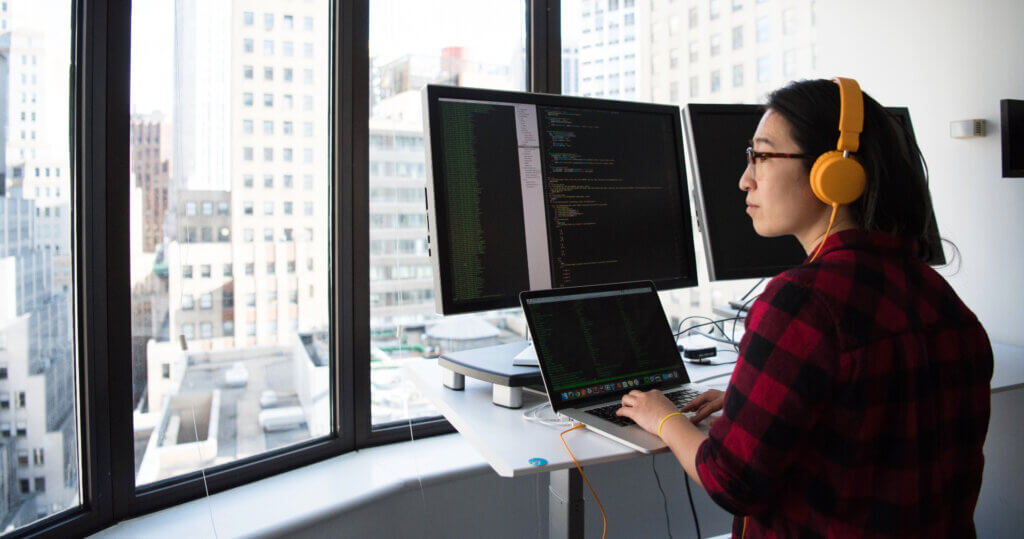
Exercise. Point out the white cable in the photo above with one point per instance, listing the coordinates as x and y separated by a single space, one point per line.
209 503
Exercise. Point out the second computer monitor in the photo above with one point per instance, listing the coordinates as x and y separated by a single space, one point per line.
532 191
717 137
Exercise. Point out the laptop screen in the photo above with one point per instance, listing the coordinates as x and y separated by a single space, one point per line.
594 342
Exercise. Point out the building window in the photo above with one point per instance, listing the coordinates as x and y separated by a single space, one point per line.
227 270
268 208
248 18
694 86
715 44
789 63
204 270
737 5
186 272
716 81
38 456
763 69
248 45
247 179
268 181
206 330
713 9
268 47
737 38
268 73
673 91
247 72
694 51
250 300
165 371
268 21
270 268
247 127
190 208
187 302
227 298
249 268
268 234
228 328
788 22
693 20
763 29
737 76
188 331
248 235
673 58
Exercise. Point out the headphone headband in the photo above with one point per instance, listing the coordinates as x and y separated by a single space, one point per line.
851 114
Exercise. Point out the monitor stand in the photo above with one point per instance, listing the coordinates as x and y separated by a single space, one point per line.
492 364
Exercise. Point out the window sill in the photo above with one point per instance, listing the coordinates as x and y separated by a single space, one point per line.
301 497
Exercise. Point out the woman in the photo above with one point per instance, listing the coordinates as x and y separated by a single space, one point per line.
860 400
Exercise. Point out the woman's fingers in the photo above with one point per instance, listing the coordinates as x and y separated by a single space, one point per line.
694 404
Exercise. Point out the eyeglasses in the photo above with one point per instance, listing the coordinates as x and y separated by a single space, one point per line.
753 156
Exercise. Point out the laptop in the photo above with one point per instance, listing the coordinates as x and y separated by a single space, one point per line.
595 344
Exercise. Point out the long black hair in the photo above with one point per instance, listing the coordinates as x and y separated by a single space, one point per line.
896 197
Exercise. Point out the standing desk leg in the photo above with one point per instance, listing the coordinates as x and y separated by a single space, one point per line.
565 504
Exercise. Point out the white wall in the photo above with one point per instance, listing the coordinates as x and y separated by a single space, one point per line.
947 61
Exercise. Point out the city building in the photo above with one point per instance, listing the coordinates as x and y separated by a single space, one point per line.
608 48
150 164
727 51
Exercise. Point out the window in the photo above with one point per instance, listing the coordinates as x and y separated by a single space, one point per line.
187 303
228 328
250 300
205 330
247 127
763 69
693 20
207 207
694 86
287 207
288 48
204 270
673 58
307 208
737 5
737 76
268 234
247 99
188 331
763 29
247 179
268 181
715 44
248 45
186 272
248 18
737 38
288 22
789 63
190 208
716 81
268 21
288 74
206 301
286 128
227 270
268 47
268 208
788 21
694 51
713 9
249 268
270 270
247 72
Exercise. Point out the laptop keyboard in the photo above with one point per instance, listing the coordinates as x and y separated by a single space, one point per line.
680 398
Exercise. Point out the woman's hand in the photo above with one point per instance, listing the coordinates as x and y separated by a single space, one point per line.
646 408
705 404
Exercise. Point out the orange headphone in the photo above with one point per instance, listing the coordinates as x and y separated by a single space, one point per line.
836 177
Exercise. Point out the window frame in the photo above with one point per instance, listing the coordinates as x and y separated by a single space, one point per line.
99 155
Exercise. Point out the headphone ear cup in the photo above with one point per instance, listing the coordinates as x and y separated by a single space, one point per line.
836 179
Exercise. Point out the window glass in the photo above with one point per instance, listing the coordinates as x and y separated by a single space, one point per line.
413 44
37 284
209 87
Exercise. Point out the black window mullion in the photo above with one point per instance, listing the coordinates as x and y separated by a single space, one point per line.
544 45
350 50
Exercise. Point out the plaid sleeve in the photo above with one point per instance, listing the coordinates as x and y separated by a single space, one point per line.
784 371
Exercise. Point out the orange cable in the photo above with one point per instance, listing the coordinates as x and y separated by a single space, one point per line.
604 519
831 221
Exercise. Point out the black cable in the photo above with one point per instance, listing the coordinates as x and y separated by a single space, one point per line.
752 288
664 499
711 323
689 495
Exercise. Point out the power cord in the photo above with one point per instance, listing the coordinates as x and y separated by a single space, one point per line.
604 518
664 499
689 495
558 420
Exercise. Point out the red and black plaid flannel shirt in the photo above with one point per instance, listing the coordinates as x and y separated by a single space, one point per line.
859 404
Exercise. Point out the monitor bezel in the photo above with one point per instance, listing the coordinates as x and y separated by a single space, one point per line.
436 207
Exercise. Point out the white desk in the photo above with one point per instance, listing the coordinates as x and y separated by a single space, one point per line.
508 442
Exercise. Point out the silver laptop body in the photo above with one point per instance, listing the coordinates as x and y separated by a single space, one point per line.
595 344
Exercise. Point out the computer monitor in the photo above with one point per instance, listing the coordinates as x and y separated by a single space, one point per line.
717 136
532 191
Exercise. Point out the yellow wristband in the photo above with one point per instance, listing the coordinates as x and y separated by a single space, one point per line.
664 419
